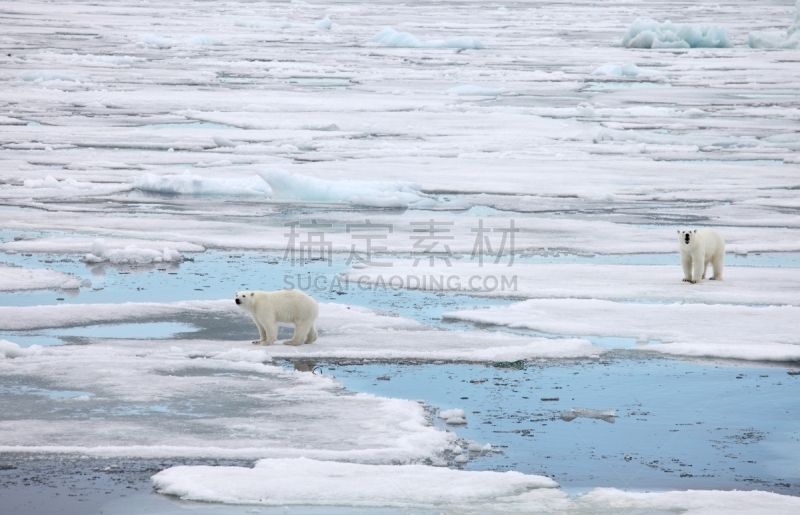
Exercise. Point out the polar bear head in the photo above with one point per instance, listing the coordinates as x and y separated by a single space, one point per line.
687 237
244 299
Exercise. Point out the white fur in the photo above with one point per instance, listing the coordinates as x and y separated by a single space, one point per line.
288 306
704 246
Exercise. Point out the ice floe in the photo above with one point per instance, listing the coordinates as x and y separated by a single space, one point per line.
131 254
570 415
14 278
453 417
304 481
11 350
625 283
769 333
66 315
347 332
276 482
172 400
85 245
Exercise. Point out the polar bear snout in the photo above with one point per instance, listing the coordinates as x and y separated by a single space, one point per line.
685 239
238 300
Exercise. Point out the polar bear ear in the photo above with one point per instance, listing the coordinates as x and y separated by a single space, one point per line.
251 294
695 230
679 231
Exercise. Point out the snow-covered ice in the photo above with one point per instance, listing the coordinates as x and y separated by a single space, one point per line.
770 333
166 383
14 278
630 283
310 482
350 332
274 482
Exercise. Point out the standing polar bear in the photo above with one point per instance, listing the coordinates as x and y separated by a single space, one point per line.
288 306
699 247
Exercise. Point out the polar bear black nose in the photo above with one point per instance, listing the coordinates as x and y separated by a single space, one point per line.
686 238
238 301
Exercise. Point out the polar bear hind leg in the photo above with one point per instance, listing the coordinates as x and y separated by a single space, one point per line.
301 330
312 334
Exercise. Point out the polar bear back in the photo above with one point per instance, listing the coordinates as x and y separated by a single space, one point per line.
288 306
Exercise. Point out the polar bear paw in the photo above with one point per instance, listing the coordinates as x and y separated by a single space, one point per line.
293 342
685 280
261 342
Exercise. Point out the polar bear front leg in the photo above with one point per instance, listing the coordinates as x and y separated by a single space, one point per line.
717 263
268 329
271 328
698 267
686 262
300 333
262 333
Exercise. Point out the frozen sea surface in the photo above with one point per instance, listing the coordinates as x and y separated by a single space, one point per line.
160 126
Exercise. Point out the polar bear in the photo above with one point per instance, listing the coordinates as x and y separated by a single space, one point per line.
699 247
289 306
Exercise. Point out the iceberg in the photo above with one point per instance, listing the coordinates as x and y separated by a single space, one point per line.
776 40
190 184
394 38
647 33
395 194
130 255
624 70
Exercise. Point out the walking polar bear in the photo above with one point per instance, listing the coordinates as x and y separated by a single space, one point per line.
288 306
699 247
